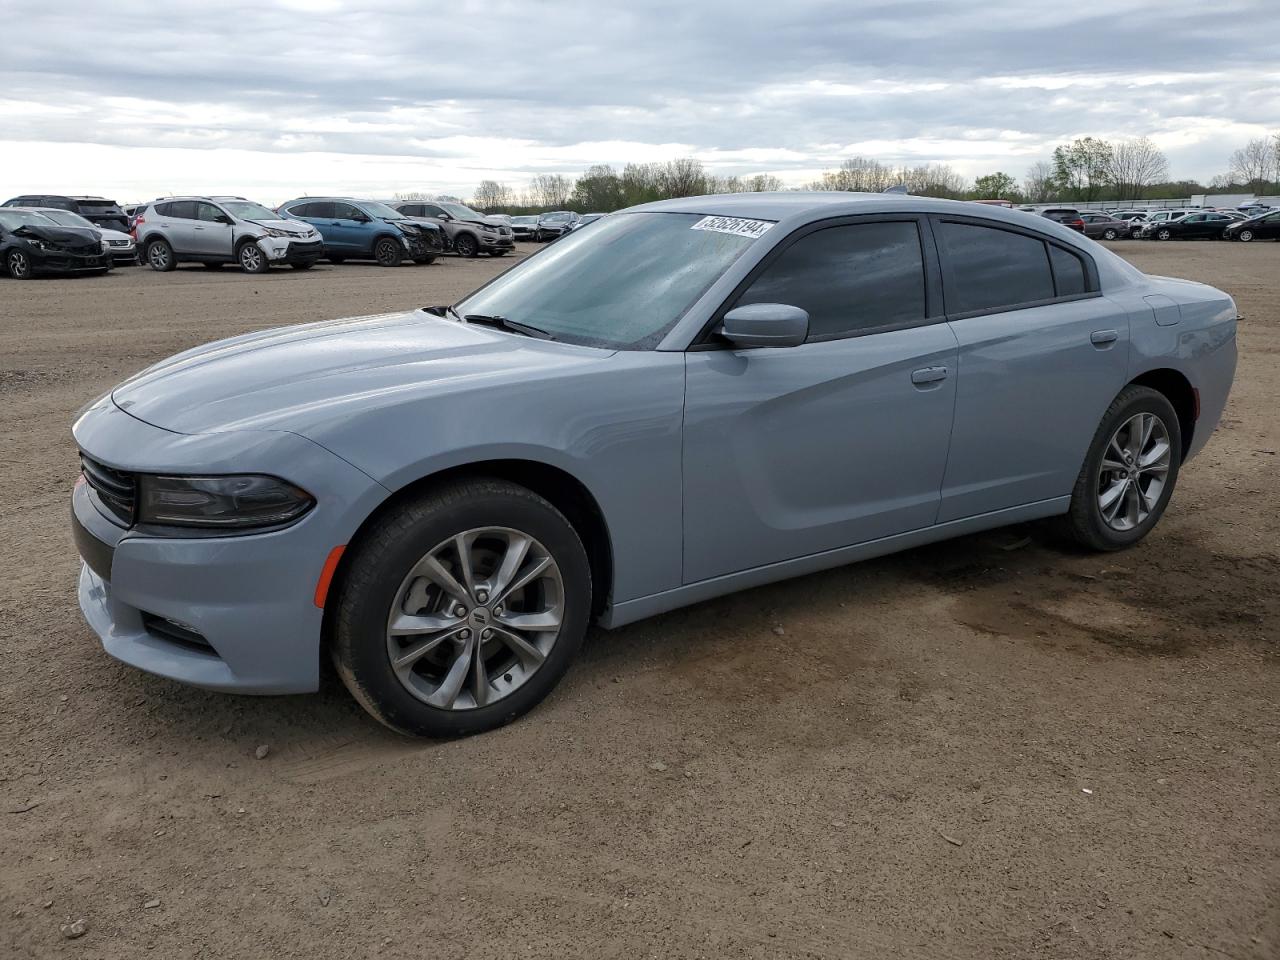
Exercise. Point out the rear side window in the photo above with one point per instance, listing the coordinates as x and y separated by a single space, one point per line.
300 210
987 268
1068 272
178 209
851 279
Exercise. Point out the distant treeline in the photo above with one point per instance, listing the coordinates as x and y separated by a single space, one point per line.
1085 169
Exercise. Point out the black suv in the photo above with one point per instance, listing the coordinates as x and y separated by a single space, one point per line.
105 213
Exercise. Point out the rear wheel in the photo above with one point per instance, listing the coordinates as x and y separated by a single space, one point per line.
252 259
466 245
1129 473
160 256
461 609
1110 234
388 252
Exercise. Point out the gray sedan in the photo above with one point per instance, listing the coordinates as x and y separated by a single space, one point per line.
1103 226
690 398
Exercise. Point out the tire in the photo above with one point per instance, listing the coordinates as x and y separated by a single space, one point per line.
1086 522
466 245
424 261
18 264
251 258
379 579
160 256
1245 236
388 252
1110 234
1164 234
302 266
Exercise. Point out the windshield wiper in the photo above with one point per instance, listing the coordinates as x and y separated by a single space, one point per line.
513 326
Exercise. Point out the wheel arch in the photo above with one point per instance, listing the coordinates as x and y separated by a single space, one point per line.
1178 390
379 237
560 488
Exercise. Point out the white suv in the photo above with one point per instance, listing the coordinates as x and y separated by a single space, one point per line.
218 230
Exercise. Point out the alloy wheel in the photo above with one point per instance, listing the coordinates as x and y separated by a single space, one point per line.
1133 471
475 618
1245 235
252 259
158 255
19 265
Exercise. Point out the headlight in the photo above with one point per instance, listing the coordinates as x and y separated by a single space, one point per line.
273 232
40 244
106 247
251 500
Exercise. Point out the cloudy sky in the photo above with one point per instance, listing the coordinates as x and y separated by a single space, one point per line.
276 98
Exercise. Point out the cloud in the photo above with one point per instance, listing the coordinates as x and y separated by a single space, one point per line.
432 97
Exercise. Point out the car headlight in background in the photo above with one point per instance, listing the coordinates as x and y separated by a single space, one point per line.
251 500
106 246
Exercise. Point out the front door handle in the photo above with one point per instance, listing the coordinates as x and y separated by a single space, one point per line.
1103 338
928 375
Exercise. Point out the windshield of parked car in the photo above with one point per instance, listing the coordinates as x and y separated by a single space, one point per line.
247 210
380 210
68 219
524 220
13 219
556 217
460 211
622 284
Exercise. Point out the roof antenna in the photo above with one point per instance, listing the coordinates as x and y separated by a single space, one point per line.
896 188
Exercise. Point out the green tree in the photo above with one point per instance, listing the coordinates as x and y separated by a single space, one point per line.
996 186
1083 167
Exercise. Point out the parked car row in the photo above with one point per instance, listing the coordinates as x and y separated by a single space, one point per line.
1199 224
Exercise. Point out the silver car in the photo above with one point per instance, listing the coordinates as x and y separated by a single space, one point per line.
219 230
691 397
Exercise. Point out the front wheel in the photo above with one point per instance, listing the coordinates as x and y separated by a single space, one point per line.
461 609
466 245
1164 235
252 259
18 264
1129 473
1244 236
388 252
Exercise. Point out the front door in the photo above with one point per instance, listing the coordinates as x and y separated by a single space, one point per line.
790 451
209 237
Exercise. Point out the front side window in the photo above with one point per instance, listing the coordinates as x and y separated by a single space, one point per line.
623 284
851 279
207 212
344 211
987 268
248 210
381 211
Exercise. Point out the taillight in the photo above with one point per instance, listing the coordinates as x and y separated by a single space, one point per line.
133 231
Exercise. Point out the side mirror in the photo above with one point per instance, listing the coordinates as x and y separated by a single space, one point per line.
361 218
766 325
443 216
223 218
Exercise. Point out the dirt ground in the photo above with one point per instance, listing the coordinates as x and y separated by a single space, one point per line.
991 748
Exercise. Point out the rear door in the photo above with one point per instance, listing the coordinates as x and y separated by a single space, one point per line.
1269 227
178 225
843 439
1041 356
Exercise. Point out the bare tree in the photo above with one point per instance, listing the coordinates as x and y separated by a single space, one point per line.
491 195
1041 182
683 178
860 174
551 190
1135 165
1253 164
768 183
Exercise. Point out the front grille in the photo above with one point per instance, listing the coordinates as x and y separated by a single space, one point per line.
116 490
120 243
175 632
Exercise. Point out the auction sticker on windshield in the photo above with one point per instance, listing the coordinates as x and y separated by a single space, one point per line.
735 225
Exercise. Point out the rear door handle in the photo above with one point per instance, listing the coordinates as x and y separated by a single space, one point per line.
928 375
1101 338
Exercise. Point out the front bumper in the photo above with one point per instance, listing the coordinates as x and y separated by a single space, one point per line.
233 613
64 262
499 241
125 256
284 250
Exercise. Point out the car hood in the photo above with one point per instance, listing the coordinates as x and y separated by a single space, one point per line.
293 226
109 234
56 234
292 378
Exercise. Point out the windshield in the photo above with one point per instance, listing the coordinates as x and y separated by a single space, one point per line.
380 210
246 210
12 219
67 218
555 217
460 212
524 220
622 284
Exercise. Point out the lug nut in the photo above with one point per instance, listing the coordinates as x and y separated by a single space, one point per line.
497 611
486 634
482 596
459 611
464 634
